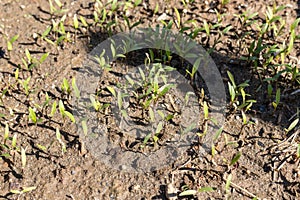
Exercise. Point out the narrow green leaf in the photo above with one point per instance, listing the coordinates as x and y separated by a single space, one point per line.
205 110
75 88
83 21
46 32
70 116
41 147
188 193
278 96
120 102
84 127
61 108
228 182
164 89
15 191
14 141
130 81
151 114
28 189
28 55
218 134
231 79
206 189
58 3
159 127
111 90
32 115
177 16
235 158
6 132
44 57
75 22
53 109
244 118
292 125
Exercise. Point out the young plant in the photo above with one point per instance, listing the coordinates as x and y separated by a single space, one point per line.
64 113
277 99
33 62
237 91
10 42
63 145
24 190
32 116
97 105
292 125
25 85
65 87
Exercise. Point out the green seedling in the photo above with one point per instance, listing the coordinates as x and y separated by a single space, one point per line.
58 137
178 21
97 105
205 110
65 113
136 2
10 42
213 150
237 91
14 142
75 88
4 91
42 148
75 22
270 90
277 99
292 125
83 21
235 159
228 183
54 10
218 133
6 133
65 87
84 127
292 35
129 25
33 62
187 96
112 91
32 116
25 85
194 69
53 109
224 3
102 62
153 136
24 190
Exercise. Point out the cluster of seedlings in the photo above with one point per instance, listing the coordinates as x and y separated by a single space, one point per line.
266 45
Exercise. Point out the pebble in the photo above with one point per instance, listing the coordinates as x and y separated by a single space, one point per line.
163 16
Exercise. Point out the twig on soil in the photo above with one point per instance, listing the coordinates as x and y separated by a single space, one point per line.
244 190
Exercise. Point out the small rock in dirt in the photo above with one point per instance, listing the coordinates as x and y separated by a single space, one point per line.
164 17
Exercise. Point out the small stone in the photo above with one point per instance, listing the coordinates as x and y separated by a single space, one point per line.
35 36
163 16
